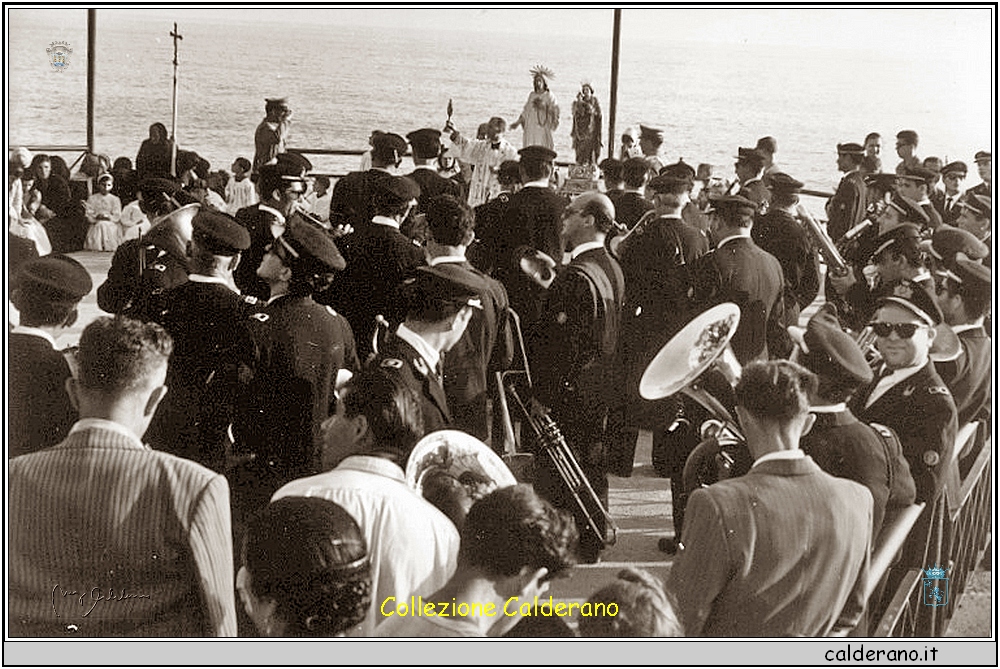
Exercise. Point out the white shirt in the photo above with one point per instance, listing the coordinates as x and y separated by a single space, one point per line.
413 546
443 259
742 234
35 332
828 408
894 377
426 351
240 194
385 220
321 207
793 454
583 248
109 425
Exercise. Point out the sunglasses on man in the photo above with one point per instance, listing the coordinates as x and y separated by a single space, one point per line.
904 330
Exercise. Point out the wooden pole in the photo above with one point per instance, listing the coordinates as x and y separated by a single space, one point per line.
91 61
613 107
173 120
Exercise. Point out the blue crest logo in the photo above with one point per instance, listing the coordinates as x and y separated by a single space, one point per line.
935 586
59 53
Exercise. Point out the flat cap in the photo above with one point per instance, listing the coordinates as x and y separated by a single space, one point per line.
400 189
434 292
680 169
388 147
983 156
219 234
668 183
895 236
974 276
907 136
948 241
542 154
749 154
918 174
832 352
783 183
310 244
734 205
955 166
916 299
426 142
851 148
650 131
54 279
981 205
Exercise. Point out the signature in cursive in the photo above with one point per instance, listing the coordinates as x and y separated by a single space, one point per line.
89 599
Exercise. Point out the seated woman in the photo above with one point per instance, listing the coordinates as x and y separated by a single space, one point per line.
306 571
104 210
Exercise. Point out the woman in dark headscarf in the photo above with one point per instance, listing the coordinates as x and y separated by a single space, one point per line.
153 159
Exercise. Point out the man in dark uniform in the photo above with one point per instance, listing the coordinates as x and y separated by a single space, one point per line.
532 222
839 443
439 307
750 173
631 205
282 186
305 350
964 297
907 393
945 245
977 218
486 346
46 291
426 146
352 199
692 213
142 269
379 257
573 348
269 138
612 173
946 201
849 204
489 218
984 164
780 233
214 352
650 143
914 186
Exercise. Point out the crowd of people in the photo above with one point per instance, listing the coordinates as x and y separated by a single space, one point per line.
242 420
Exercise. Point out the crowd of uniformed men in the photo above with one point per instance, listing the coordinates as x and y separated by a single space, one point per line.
271 314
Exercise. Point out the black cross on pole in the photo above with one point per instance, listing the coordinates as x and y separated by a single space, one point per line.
173 121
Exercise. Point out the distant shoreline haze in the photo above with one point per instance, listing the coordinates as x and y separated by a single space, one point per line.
343 81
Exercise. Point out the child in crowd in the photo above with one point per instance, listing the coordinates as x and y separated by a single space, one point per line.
240 191
320 206
104 211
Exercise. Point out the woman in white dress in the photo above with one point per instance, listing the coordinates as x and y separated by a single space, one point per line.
540 117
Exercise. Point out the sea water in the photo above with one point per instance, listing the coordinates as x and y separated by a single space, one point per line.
343 81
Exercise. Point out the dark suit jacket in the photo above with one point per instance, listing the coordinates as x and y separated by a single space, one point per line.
118 516
940 202
431 185
396 356
136 295
848 205
258 223
482 253
39 411
781 235
743 273
970 374
486 346
781 551
351 199
922 412
630 207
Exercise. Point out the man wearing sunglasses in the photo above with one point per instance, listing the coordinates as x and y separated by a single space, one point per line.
946 201
907 393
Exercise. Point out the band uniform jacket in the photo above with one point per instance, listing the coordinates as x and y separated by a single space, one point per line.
656 259
969 375
630 207
486 346
303 346
431 185
848 205
396 356
351 199
110 538
257 220
781 551
482 253
533 219
39 411
141 270
845 447
213 361
741 272
781 235
922 412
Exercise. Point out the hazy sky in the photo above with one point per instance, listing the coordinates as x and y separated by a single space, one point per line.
892 29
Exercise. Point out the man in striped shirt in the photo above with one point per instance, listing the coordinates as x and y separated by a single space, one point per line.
108 537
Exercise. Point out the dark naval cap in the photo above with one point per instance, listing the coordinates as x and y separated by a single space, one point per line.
975 277
956 166
851 148
783 183
948 241
981 205
670 184
276 101
650 132
388 147
153 189
734 205
746 153
909 211
54 279
541 154
983 156
310 244
832 352
433 293
398 189
895 236
219 233
293 164
918 174
680 170
916 299
426 142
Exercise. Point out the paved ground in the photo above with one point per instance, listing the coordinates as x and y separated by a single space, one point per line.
640 505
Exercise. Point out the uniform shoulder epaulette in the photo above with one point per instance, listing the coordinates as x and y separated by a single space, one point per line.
938 390
391 363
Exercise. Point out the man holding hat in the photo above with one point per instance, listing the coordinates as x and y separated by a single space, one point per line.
977 218
46 291
282 185
946 201
426 146
352 199
142 269
906 148
913 185
848 205
907 394
272 133
214 352
379 257
651 143
485 156
305 349
780 233
532 220
839 443
750 173
964 297
439 306
984 165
